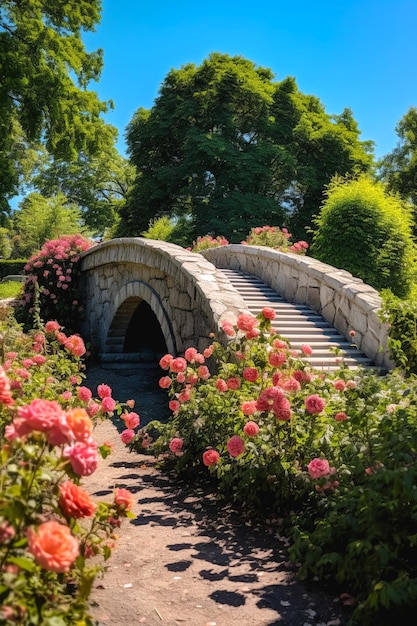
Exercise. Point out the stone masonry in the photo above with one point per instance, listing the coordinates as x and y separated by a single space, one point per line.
186 293
346 302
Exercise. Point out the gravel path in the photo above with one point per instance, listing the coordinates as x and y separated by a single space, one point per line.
185 560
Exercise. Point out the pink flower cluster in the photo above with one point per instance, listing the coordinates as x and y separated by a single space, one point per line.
71 429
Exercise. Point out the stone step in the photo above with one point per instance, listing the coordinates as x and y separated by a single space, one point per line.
299 324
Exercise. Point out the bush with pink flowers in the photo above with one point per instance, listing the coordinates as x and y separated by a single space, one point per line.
208 241
275 237
54 537
333 453
51 290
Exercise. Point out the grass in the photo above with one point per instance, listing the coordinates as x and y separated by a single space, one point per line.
10 289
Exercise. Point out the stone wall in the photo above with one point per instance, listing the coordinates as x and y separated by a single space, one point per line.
185 291
346 302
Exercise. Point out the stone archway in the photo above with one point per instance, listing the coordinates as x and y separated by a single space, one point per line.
140 324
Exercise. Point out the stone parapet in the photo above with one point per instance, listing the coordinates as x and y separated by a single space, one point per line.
187 293
346 302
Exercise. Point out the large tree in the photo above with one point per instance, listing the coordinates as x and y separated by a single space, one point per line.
44 74
98 185
231 148
398 169
40 219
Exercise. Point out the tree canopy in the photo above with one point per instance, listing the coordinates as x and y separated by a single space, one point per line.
398 169
44 74
227 146
97 184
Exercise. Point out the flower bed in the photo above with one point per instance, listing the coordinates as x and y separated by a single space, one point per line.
50 528
333 454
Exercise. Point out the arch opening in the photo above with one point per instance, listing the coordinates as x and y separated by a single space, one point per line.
144 333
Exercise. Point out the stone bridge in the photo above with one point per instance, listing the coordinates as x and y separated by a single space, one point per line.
147 296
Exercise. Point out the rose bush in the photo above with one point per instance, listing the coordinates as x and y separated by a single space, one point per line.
50 528
333 453
51 289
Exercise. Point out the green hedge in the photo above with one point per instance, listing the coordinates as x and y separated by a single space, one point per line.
11 266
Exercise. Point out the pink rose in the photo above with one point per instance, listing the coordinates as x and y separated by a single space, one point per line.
104 391
235 446
83 457
84 394
176 444
318 468
268 313
108 404
314 404
41 415
127 435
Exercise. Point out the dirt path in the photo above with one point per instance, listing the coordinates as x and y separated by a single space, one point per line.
185 560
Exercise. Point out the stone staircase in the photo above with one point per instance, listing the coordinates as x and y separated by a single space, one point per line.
299 324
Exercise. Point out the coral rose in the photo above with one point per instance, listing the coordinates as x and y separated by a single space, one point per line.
233 383
211 457
248 407
165 361
74 501
131 420
123 499
178 365
80 423
246 322
53 546
251 374
251 429
221 385
235 446
268 313
165 382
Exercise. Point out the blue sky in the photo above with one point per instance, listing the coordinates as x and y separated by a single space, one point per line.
360 54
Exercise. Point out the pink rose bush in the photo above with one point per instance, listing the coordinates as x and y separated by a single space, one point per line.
47 447
52 278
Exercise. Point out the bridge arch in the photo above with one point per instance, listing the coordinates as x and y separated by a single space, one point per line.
186 294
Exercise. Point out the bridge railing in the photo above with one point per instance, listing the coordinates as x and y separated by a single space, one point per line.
346 302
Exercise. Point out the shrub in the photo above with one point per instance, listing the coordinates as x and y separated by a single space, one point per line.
367 232
50 528
275 237
401 317
203 243
51 289
332 452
